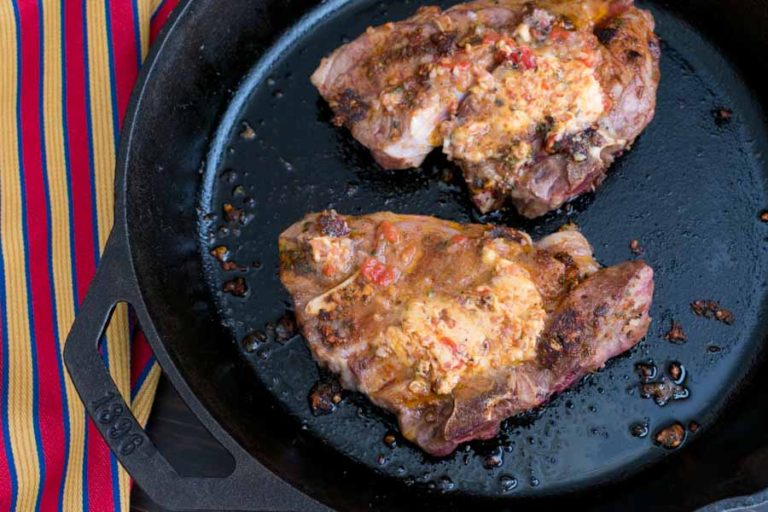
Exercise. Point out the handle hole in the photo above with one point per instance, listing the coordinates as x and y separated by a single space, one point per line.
175 431
182 439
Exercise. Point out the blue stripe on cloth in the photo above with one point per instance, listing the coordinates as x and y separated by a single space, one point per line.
89 125
137 32
142 377
157 11
27 272
67 155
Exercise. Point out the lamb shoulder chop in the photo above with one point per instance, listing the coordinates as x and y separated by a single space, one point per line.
533 100
452 327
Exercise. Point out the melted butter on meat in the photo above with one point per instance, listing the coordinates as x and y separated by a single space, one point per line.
444 338
562 92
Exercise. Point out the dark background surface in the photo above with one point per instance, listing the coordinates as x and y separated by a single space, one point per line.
184 442
191 450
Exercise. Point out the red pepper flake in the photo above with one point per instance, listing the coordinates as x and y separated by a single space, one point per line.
521 57
389 232
764 216
635 247
377 272
558 34
329 270
459 240
448 342
461 65
676 333
492 37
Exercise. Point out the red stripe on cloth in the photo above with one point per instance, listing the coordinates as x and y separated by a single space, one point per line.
50 411
98 488
124 53
79 159
141 354
5 475
160 17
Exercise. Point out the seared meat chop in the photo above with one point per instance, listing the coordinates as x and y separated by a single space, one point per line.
456 327
533 100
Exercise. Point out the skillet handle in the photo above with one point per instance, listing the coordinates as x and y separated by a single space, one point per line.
250 486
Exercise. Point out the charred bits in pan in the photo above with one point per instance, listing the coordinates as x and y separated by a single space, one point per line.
665 389
722 115
237 287
676 334
670 437
325 396
712 309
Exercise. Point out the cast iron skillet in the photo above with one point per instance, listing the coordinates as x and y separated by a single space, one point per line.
691 191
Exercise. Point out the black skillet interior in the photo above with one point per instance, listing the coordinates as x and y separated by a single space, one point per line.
690 191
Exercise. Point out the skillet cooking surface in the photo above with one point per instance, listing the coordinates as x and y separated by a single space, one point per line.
690 191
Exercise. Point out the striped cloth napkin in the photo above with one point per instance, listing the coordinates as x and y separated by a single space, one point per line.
67 68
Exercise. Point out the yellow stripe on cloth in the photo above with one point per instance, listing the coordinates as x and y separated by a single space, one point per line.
104 163
104 136
20 380
142 403
146 8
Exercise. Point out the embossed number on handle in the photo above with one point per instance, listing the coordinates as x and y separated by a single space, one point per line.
110 411
130 444
120 428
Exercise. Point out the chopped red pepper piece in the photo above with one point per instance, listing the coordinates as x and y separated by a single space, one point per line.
522 57
389 232
448 342
558 34
492 37
377 272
